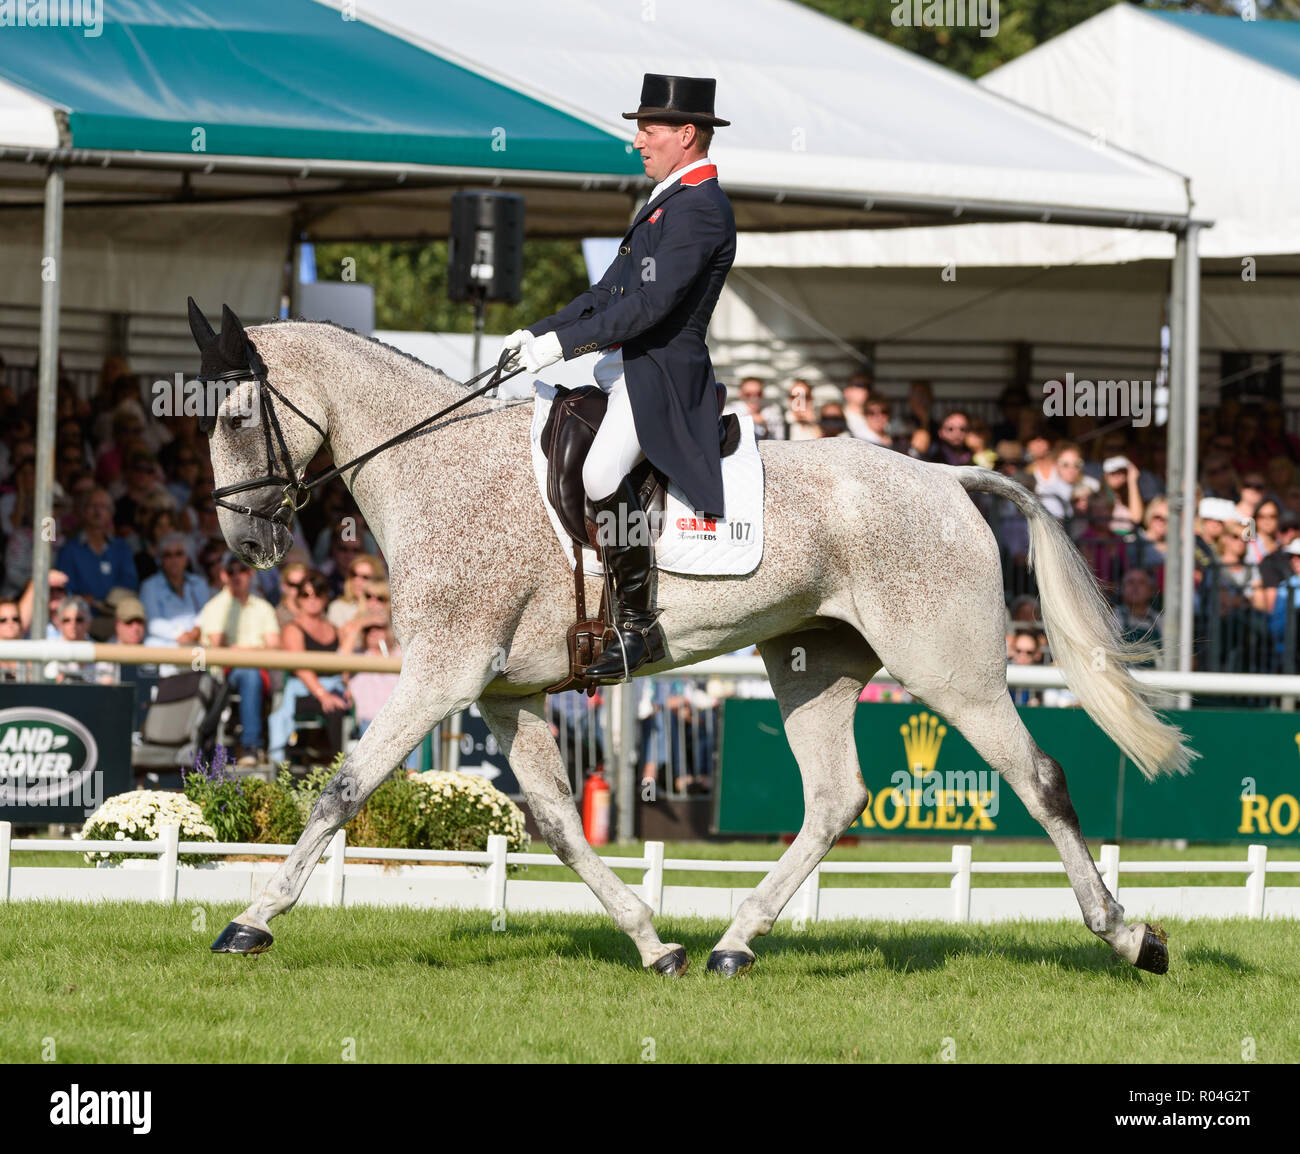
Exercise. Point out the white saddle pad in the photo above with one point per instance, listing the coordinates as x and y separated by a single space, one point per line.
729 547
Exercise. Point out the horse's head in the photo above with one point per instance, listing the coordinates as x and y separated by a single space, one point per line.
265 425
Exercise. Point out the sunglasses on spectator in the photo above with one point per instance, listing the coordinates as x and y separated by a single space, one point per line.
134 621
10 621
73 620
311 591
296 586
58 590
367 576
954 428
376 596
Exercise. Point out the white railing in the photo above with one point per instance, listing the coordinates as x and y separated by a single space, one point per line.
483 881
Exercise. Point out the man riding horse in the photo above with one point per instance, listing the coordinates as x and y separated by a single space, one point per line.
648 315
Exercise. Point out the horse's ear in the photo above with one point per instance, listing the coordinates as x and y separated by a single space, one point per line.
233 341
204 337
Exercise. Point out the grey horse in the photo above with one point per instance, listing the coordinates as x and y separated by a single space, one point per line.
870 557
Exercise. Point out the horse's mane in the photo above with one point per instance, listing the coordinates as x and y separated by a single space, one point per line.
363 336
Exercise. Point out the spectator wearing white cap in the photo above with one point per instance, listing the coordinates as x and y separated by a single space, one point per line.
1121 477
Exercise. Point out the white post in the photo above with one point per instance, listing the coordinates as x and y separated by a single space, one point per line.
808 895
168 863
338 846
960 883
496 873
1256 880
6 837
652 885
1110 869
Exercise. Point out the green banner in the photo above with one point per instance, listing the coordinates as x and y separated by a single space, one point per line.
926 780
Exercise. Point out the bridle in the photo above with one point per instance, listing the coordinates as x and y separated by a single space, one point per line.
297 489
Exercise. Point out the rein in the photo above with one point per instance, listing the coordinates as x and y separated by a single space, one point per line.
298 490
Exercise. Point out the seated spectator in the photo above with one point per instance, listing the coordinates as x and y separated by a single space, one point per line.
1282 629
769 423
130 628
1147 548
1280 474
1101 548
950 447
1051 488
142 479
291 574
239 620
311 632
1121 477
1025 610
831 419
11 629
95 560
1266 516
173 597
186 471
74 625
211 556
364 569
1135 615
920 407
857 395
875 426
1023 648
801 417
375 609
153 524
1276 567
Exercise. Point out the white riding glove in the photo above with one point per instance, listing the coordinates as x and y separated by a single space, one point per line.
538 352
512 344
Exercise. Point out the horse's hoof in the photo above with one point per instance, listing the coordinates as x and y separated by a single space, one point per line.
1154 955
238 938
673 964
730 963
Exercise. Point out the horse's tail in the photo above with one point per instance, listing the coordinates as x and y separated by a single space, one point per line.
1085 638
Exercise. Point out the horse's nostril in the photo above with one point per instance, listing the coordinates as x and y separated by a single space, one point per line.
248 547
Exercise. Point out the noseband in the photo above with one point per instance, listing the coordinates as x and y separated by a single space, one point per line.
298 489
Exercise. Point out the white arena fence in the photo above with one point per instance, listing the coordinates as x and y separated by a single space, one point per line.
443 879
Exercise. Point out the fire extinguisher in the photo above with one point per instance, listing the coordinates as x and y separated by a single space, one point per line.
595 807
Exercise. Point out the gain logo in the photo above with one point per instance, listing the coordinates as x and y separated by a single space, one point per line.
45 756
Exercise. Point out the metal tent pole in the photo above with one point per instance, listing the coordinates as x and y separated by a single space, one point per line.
1184 382
43 534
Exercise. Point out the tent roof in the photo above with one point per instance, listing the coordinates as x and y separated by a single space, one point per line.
289 79
1273 43
1153 82
362 128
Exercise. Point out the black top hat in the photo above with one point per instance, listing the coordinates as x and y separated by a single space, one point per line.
677 100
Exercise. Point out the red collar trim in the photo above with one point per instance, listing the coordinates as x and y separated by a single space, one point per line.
699 175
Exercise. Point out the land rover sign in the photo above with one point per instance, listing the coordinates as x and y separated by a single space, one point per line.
63 750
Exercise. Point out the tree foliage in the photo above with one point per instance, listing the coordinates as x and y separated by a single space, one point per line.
410 280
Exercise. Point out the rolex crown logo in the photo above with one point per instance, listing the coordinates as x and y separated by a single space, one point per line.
922 736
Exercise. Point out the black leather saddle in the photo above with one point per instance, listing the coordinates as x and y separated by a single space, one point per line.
570 428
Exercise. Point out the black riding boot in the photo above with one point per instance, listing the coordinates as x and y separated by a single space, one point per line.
629 568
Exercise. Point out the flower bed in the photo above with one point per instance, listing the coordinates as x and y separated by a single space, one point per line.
140 816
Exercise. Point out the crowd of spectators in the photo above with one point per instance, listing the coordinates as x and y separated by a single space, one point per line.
138 558
1103 479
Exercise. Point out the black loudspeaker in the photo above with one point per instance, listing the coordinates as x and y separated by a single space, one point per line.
486 253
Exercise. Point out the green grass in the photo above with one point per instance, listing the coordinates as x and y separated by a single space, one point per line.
135 982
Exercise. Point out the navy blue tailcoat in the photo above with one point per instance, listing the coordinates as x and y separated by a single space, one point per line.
656 300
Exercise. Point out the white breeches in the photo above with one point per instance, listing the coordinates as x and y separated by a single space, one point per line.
616 451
